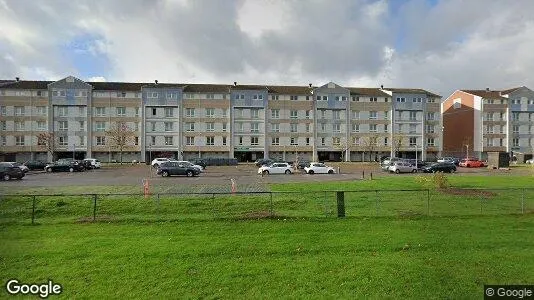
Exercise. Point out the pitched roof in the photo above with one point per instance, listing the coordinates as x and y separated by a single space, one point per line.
27 85
290 89
508 91
162 85
368 92
206 88
485 94
249 87
117 86
412 91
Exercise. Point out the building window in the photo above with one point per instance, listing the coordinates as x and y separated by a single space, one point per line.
224 141
152 126
417 99
254 141
275 141
210 141
3 125
62 111
190 140
355 99
515 129
356 141
254 127
516 101
401 99
255 113
293 127
336 141
373 99
240 140
430 116
63 126
168 141
293 114
413 128
224 127
275 113
210 112
258 97
386 128
372 128
355 115
210 126
225 113
274 97
3 140
325 98
239 127
275 127
429 128
136 141
19 140
336 128
488 117
154 111
430 142
355 127
515 116
152 95
100 111
210 96
137 111
82 141
190 112
293 141
63 140
323 141
100 126
457 103
41 110
515 142
169 112
307 141
413 116
81 111
337 114
100 140
373 115
121 111
386 141
41 126
413 141
307 127
169 126
386 115
20 126
3 110
190 127
323 127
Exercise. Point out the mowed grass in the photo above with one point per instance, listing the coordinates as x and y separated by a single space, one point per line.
292 258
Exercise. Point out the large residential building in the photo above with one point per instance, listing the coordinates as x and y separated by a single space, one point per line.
327 122
480 121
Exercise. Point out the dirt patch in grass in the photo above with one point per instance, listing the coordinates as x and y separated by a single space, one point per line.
468 192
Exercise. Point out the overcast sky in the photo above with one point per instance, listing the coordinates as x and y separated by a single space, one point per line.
438 45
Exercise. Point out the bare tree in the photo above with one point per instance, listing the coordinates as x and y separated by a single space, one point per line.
370 144
397 143
467 143
47 140
120 137
342 146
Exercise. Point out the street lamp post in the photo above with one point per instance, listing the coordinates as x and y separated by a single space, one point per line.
74 152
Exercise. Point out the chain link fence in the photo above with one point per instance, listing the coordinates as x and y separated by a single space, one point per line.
42 209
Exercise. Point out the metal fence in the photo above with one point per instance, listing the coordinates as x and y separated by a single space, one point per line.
42 209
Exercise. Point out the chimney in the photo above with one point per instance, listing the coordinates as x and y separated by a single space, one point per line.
235 83
310 84
487 89
156 81
381 86
17 78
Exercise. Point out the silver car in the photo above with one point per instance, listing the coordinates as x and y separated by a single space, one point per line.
402 167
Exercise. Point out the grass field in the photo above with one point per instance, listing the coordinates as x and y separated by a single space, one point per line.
195 249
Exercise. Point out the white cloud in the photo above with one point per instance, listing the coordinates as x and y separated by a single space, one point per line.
97 79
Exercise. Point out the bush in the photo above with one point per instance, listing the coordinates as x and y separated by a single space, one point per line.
437 180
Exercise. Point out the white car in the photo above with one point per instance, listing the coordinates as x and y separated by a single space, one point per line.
190 164
319 168
276 168
402 167
158 161
95 163
530 161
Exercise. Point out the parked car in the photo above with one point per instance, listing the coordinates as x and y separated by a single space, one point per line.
7 172
201 162
92 163
276 168
35 164
385 166
402 167
189 164
170 168
263 161
156 162
530 161
303 164
471 163
446 167
65 166
24 168
452 160
319 168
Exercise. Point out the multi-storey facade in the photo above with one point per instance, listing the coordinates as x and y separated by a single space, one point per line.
328 122
481 121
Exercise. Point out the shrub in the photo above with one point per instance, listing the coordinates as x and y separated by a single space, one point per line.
437 180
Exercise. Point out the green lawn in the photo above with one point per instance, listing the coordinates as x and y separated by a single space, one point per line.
410 244
291 258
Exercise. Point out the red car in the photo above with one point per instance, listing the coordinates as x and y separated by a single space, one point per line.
471 163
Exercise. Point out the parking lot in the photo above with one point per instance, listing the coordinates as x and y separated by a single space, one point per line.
243 174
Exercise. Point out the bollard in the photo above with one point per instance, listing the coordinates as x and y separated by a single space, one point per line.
33 210
340 196
371 176
363 174
338 170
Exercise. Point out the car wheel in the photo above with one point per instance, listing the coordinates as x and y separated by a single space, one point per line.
19 178
453 170
330 172
265 172
6 177
288 172
397 171
165 174
468 166
310 172
189 173
414 171
49 170
71 170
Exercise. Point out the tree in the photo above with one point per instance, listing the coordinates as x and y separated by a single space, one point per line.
47 140
397 143
342 146
370 144
467 142
120 136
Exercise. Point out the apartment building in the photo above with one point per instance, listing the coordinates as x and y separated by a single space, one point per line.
328 122
480 121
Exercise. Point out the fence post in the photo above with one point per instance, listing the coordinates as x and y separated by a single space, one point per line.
340 196
94 207
213 205
325 207
33 210
481 199
523 201
271 205
157 205
428 202
376 202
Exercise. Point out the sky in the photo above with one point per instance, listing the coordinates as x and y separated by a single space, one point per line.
437 45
